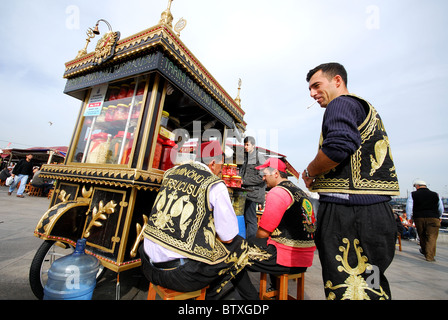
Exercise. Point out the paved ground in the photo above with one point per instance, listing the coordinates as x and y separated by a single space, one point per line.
410 276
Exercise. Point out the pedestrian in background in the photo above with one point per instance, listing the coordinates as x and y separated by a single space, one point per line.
21 172
425 208
253 182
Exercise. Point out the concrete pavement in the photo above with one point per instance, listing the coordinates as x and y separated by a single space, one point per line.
410 276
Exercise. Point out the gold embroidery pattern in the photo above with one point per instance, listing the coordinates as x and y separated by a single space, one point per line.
236 261
169 204
355 283
372 124
295 243
258 254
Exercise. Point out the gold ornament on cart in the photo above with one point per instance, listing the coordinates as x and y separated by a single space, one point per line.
100 214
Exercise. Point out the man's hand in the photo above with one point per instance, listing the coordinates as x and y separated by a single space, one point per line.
319 165
261 233
308 180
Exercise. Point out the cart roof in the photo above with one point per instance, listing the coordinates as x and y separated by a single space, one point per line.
155 49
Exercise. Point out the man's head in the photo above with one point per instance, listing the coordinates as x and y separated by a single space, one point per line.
29 157
211 154
249 144
273 172
327 82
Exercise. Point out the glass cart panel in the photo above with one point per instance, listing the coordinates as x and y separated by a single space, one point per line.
183 123
111 117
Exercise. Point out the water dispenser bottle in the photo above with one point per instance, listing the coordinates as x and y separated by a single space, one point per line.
72 277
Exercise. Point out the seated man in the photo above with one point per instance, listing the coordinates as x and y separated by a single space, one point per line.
286 228
4 174
39 182
191 238
409 231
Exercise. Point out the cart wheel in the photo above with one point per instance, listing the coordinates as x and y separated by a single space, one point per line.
48 253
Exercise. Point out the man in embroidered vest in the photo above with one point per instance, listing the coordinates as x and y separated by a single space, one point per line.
425 208
354 174
191 238
285 235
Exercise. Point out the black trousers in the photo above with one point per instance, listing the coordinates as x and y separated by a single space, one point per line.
195 275
356 245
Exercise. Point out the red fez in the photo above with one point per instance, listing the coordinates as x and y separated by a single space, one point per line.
273 163
210 149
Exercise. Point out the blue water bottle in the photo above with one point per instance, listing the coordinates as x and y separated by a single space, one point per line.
72 277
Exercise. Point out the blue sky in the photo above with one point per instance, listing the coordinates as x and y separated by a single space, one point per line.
394 52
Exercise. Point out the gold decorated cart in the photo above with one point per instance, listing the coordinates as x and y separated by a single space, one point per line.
142 97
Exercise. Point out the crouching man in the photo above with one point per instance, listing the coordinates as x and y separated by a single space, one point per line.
285 235
191 238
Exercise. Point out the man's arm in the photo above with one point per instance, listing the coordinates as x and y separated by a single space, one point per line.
409 207
226 223
342 138
277 201
321 164
441 207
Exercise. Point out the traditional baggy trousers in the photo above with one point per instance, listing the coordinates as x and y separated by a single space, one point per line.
195 275
356 244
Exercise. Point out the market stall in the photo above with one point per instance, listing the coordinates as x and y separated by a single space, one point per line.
141 98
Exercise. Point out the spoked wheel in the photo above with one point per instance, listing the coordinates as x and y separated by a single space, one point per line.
48 253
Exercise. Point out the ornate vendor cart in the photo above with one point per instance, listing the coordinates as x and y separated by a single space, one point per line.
142 97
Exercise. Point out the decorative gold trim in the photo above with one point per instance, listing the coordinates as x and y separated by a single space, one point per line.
108 263
102 208
140 231
99 214
122 177
367 129
295 243
61 208
166 36
104 47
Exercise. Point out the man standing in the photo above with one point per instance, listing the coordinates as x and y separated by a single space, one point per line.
21 172
254 183
425 208
286 230
191 238
355 176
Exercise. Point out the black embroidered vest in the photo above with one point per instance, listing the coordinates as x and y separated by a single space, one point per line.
297 227
181 219
370 170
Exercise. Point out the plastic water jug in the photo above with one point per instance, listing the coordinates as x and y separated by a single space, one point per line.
72 277
241 226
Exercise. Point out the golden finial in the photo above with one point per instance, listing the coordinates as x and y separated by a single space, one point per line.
167 17
238 99
90 35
